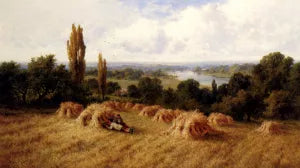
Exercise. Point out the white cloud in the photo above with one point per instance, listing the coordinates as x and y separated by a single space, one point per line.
241 30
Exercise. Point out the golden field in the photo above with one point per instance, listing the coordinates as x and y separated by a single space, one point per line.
45 141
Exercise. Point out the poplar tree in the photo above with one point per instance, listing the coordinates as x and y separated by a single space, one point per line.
76 53
102 70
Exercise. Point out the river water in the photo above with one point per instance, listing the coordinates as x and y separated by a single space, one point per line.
201 78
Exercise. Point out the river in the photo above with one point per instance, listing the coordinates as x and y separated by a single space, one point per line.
201 78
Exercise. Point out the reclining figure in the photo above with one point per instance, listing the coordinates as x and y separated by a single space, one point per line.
117 123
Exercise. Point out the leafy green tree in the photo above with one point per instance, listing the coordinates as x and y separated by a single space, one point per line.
294 81
272 73
279 104
169 98
206 96
222 91
64 88
52 83
150 89
112 87
133 91
22 86
8 75
214 87
238 82
42 80
189 89
239 107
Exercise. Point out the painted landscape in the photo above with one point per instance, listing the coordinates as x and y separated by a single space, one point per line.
191 84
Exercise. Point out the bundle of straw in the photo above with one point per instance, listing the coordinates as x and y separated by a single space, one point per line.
220 119
69 109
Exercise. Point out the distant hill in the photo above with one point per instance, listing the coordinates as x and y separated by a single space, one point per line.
226 70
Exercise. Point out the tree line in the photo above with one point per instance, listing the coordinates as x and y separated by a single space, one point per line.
45 83
270 90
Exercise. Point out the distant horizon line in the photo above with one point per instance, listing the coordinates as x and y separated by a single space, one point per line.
146 62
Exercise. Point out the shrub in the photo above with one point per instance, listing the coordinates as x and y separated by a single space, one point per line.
112 87
189 89
279 104
93 84
133 91
8 75
150 90
242 106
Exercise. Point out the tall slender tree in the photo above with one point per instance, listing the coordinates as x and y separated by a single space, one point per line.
76 53
214 87
102 70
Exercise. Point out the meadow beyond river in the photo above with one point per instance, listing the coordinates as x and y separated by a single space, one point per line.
201 78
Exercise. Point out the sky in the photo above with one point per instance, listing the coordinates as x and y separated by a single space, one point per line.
151 30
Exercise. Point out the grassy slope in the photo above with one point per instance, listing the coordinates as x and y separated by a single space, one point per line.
40 140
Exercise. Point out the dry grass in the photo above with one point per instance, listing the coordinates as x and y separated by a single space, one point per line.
220 119
44 141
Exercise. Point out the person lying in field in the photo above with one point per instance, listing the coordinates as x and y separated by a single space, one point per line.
117 123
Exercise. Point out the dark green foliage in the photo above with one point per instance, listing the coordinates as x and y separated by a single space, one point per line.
169 98
226 70
48 83
150 89
127 73
206 96
158 73
272 73
190 104
241 106
93 84
294 81
112 87
279 104
189 89
43 76
133 91
22 86
238 82
8 79
214 87
222 91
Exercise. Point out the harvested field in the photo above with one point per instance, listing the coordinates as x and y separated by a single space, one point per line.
46 141
191 125
271 128
220 119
